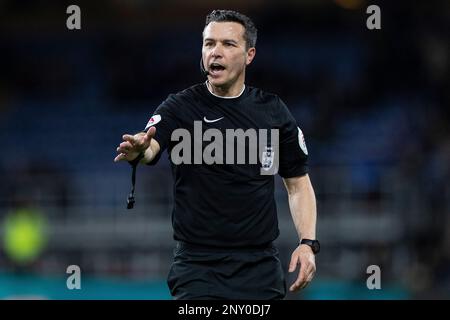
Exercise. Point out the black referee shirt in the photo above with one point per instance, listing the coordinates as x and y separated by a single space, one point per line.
229 204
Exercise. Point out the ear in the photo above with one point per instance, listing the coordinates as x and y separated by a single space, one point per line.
250 55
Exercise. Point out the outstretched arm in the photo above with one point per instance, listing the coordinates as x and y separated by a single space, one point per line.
302 204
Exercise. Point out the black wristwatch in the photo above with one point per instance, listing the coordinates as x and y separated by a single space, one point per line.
314 244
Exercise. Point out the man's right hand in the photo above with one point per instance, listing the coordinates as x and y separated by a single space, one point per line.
133 145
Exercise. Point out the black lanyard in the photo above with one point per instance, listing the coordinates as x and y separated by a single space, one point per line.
134 163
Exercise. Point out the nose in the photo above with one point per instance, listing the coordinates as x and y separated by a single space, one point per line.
216 52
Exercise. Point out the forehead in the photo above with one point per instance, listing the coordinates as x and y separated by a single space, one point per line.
224 30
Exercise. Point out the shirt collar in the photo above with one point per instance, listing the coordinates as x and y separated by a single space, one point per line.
207 86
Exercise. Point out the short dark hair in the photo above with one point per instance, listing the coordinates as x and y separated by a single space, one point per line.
250 33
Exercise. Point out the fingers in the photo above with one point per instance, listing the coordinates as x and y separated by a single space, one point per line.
129 138
295 260
311 276
130 145
305 275
124 147
120 157
293 263
300 282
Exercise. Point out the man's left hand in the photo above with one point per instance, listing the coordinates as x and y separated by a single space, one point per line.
304 257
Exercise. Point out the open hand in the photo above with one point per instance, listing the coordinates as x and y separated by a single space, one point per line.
133 145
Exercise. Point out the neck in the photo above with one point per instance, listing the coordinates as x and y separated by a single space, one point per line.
234 90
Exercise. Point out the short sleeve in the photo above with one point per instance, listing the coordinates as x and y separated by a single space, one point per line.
165 122
293 154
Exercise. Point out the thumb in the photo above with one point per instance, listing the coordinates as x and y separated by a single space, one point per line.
293 263
150 133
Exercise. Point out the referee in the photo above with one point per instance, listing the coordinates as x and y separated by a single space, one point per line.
224 216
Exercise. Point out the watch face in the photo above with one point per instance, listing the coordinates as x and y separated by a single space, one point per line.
316 246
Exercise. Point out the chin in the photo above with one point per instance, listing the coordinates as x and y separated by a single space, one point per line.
217 82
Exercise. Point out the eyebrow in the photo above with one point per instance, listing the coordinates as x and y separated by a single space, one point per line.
224 40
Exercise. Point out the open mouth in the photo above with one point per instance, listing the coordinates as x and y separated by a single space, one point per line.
216 68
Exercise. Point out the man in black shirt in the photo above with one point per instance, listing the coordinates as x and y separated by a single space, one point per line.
226 141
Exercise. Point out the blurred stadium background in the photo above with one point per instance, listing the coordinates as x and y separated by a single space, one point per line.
372 104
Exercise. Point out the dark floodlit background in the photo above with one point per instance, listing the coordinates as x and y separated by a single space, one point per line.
373 106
